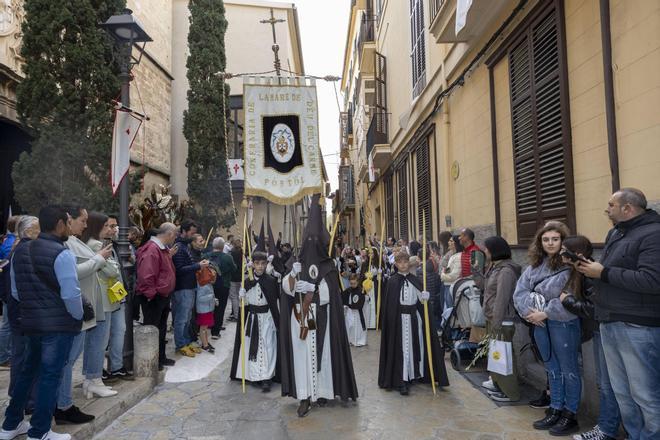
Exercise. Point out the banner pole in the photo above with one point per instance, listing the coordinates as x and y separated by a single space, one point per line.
380 268
427 326
242 329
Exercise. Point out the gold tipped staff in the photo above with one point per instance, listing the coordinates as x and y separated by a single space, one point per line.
242 330
427 326
208 237
380 270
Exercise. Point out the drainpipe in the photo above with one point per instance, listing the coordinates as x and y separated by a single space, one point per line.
610 110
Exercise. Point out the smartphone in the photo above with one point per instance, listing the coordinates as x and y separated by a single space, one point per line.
573 256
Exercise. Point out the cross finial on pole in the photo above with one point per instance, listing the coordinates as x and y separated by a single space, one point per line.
272 21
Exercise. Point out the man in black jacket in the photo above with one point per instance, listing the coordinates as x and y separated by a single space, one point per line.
627 282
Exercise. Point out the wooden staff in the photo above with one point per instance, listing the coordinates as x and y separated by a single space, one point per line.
247 244
332 241
380 269
242 330
208 237
427 326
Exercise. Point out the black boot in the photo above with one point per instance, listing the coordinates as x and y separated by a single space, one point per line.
72 416
566 425
405 389
552 416
265 386
322 402
303 409
542 402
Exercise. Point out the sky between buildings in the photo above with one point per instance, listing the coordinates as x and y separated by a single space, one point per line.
323 27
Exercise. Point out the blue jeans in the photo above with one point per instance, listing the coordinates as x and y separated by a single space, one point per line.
46 357
117 332
19 346
96 341
559 343
65 392
182 308
632 353
609 417
5 336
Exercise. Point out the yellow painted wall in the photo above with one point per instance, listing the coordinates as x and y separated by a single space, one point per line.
591 172
470 145
505 151
636 56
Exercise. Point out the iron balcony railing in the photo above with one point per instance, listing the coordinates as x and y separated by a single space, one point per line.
367 31
434 7
377 133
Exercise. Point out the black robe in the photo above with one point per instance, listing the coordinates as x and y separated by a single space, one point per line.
343 377
390 367
359 305
271 289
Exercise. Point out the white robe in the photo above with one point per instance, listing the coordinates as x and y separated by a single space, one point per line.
356 335
263 368
370 304
409 296
311 383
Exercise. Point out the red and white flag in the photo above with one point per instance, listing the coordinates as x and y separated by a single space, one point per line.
126 128
235 169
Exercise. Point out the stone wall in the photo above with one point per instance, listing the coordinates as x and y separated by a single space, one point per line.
153 144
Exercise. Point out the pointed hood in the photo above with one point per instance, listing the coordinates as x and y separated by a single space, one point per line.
261 240
316 262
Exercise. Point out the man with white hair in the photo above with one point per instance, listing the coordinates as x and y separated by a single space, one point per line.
155 283
227 267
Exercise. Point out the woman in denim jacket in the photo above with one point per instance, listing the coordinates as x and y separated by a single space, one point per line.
557 331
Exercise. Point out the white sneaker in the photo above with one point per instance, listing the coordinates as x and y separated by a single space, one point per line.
21 429
50 435
489 385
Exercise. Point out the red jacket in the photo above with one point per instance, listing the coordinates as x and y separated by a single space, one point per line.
155 271
466 268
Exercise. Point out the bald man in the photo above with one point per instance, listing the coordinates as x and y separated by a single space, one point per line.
155 283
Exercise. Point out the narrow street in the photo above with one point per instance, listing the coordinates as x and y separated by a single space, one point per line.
214 408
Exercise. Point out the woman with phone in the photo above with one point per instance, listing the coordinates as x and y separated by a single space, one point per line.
576 298
556 331
98 237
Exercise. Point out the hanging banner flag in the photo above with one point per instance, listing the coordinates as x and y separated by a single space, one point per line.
126 129
281 137
372 170
235 167
462 8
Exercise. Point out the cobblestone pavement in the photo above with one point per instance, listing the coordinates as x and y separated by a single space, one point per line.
214 408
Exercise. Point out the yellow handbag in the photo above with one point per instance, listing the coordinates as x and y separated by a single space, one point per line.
116 291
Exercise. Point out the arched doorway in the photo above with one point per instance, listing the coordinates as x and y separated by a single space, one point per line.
13 141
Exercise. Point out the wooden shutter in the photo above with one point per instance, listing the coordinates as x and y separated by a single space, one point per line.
540 127
389 205
402 182
424 188
417 51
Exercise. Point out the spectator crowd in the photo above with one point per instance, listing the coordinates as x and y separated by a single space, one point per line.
66 296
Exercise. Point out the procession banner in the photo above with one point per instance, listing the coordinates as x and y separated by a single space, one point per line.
281 138
126 128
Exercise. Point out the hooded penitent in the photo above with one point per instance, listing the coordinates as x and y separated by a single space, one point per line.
317 266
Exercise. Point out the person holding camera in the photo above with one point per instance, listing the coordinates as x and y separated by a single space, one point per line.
577 299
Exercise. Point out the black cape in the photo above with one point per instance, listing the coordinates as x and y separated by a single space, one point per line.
271 290
358 305
343 377
390 367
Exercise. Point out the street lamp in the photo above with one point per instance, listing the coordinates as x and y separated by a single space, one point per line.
126 31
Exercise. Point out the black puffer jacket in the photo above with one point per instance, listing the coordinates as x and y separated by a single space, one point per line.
629 287
584 308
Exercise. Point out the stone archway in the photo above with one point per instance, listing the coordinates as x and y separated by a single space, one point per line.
13 141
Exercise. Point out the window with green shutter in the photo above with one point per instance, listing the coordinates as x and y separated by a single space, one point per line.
423 188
